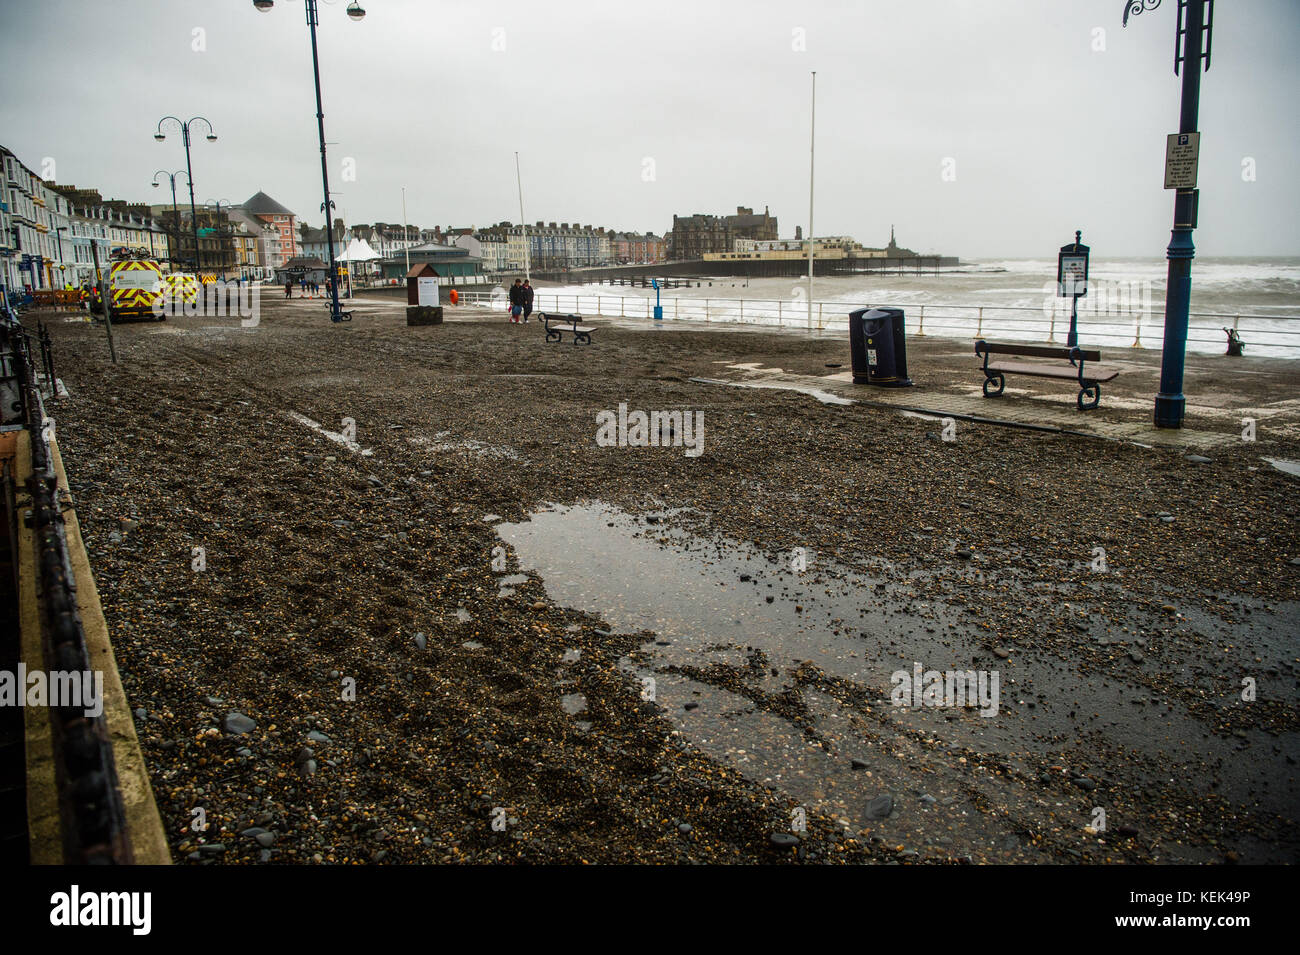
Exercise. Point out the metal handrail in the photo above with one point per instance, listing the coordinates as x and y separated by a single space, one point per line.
1119 324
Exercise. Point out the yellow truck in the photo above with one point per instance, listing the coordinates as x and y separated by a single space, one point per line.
181 288
134 285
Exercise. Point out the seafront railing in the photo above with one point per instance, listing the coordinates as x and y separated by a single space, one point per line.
1133 327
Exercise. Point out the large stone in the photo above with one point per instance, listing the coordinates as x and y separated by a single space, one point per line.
238 724
880 807
424 315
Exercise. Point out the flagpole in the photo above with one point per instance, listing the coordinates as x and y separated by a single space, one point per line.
520 183
406 234
346 251
812 154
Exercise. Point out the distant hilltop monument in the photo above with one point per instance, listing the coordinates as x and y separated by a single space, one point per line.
893 250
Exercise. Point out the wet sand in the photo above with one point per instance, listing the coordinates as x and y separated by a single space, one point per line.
510 722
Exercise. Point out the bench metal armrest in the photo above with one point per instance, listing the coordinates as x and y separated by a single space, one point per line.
1076 354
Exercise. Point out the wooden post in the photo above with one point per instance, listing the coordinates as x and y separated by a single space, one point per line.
104 298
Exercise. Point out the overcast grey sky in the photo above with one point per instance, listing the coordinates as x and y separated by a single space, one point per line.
625 113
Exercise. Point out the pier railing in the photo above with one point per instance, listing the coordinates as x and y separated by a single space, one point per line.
1132 327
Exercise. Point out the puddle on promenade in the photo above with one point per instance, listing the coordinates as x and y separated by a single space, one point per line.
1286 467
731 634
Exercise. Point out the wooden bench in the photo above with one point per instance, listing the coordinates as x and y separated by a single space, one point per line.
1089 383
557 325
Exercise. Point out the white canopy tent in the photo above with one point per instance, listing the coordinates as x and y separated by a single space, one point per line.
359 250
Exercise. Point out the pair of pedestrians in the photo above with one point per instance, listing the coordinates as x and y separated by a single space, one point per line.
521 301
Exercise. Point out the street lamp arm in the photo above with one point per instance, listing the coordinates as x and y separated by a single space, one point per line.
211 132
158 133
1134 7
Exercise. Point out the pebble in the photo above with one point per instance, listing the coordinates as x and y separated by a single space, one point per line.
421 641
783 840
238 724
880 807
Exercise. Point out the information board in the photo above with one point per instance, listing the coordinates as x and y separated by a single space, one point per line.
427 291
1182 156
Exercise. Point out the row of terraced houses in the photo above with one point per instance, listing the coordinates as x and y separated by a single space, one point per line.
51 234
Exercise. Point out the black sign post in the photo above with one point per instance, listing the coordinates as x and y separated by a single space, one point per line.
1072 281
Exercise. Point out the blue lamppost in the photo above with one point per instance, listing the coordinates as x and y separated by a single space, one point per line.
176 216
1192 44
356 13
189 172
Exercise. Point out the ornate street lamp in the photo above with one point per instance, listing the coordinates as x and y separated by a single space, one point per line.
176 216
356 12
189 172
1191 45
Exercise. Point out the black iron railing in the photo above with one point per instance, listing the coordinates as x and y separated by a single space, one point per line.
90 799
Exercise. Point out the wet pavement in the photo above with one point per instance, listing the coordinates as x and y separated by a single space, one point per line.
784 667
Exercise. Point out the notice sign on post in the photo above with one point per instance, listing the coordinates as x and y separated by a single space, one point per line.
426 291
1182 155
1072 269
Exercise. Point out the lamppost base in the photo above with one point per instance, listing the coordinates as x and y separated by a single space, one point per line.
1169 411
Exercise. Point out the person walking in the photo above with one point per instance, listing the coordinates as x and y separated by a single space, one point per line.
288 288
516 301
527 300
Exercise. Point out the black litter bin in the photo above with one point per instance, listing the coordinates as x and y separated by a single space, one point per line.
878 343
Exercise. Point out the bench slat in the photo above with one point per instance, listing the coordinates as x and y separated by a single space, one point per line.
1090 372
1032 351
